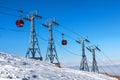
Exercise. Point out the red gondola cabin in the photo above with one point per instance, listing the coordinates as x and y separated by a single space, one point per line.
20 23
64 42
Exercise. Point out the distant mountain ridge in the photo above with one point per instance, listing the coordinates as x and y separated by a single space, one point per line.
109 69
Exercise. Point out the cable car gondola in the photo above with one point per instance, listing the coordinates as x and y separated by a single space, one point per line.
19 23
63 42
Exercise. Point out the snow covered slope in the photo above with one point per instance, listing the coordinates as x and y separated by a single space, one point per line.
17 68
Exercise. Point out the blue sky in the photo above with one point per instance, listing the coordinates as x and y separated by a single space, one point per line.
99 20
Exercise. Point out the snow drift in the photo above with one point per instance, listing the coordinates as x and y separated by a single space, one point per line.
17 68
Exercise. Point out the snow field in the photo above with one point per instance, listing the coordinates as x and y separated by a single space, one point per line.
16 68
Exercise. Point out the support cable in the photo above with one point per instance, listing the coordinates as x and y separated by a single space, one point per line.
104 72
13 30
41 37
68 50
3 13
107 66
11 9
107 57
65 34
72 31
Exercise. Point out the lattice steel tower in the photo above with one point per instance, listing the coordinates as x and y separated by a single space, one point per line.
94 62
51 54
84 64
33 47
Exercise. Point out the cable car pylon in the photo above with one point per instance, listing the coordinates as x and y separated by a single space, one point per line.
33 47
83 64
94 62
51 54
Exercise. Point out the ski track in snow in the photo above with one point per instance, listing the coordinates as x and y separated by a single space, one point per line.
17 68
